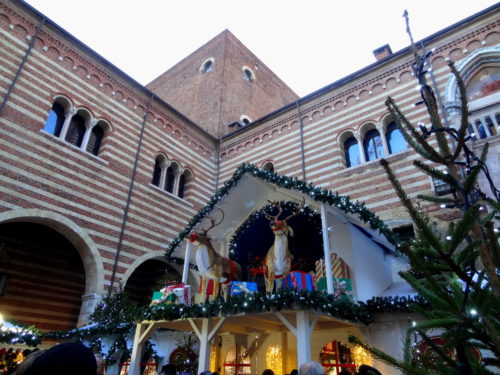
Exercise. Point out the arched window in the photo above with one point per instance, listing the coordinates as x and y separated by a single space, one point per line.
237 361
55 121
372 145
480 129
268 166
247 75
491 126
395 140
471 132
207 67
351 150
335 357
170 180
157 172
95 139
76 130
183 183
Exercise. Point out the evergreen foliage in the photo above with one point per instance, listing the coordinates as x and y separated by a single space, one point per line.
455 271
185 359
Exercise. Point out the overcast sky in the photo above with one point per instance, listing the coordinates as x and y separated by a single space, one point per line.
308 44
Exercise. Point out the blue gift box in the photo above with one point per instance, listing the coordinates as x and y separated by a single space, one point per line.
300 281
241 287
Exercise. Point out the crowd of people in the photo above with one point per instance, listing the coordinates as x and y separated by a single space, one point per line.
77 359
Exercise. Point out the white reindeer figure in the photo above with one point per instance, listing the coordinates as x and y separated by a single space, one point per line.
278 259
211 265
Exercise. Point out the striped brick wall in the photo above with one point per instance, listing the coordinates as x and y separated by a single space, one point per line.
40 171
351 106
107 202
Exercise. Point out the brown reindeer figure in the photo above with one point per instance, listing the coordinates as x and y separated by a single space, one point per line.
211 265
278 259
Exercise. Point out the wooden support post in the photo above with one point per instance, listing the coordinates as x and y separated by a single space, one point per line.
326 250
142 332
185 270
205 335
204 357
304 330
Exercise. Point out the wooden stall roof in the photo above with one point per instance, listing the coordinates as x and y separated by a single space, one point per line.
253 323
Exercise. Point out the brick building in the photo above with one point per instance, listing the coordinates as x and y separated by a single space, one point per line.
99 173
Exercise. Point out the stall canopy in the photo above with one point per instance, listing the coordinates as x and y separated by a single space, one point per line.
252 191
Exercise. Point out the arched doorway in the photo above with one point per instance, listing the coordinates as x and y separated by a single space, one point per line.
335 357
45 276
151 275
237 361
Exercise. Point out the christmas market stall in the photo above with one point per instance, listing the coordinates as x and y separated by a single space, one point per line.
287 271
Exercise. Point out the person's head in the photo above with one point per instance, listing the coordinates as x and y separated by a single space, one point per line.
311 368
268 372
28 361
294 372
168 369
368 370
69 358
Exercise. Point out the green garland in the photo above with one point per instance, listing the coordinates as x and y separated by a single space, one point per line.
285 299
251 303
22 334
290 206
316 193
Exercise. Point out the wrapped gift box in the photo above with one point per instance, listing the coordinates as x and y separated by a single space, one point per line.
160 297
179 293
156 298
241 287
340 269
300 281
341 286
182 294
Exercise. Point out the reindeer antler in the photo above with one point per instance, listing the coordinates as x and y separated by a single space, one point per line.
213 221
297 211
277 205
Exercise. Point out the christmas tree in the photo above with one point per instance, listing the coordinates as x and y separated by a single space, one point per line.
457 269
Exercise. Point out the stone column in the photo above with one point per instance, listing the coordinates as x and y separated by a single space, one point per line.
88 131
380 129
361 148
89 302
67 119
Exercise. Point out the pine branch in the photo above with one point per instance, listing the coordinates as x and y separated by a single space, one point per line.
464 120
414 139
407 369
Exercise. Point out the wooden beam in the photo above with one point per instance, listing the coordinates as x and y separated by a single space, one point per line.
215 329
286 322
195 328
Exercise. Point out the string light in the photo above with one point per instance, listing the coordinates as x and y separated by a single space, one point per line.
292 183
360 356
274 359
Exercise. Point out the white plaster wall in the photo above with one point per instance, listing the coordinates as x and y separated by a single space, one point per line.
372 272
340 239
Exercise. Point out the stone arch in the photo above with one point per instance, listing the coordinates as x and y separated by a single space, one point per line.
4 21
79 238
466 68
154 256
366 127
492 38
